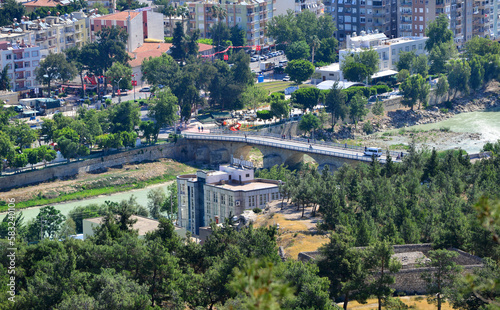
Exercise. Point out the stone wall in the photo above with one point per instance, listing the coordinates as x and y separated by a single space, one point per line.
73 168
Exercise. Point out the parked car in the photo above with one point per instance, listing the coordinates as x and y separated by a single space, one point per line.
286 78
254 59
145 90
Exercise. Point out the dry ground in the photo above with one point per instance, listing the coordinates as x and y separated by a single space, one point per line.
126 174
419 303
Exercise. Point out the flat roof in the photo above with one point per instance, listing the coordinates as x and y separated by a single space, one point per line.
331 67
118 16
384 73
143 224
251 186
325 85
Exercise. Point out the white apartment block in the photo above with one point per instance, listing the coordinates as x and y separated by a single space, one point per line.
297 6
21 61
53 34
388 49
216 195
250 15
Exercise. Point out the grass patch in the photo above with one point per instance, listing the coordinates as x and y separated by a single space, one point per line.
399 146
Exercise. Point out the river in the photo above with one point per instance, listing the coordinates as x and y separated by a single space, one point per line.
66 207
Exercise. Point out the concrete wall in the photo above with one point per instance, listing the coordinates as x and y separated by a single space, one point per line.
65 170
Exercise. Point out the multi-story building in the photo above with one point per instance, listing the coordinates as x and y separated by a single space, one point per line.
360 15
216 195
21 60
32 6
297 6
140 24
53 34
388 49
250 15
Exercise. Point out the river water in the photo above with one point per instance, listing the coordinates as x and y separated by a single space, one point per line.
66 207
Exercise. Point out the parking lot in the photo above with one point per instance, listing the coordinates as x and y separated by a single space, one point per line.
254 66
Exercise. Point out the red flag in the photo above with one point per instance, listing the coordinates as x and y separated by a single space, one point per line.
257 48
226 57
118 92
84 86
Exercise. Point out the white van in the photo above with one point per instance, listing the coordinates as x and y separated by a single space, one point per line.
369 151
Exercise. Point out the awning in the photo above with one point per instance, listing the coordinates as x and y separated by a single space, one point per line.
325 85
384 73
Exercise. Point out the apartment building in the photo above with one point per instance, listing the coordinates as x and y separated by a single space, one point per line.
32 6
467 18
140 24
388 49
53 34
250 15
21 60
297 6
216 195
363 15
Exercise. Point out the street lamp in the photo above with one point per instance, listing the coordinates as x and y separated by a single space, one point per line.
118 87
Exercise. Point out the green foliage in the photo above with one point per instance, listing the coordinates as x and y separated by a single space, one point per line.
177 50
356 72
378 108
406 60
256 210
298 50
120 75
4 79
403 74
459 76
11 9
492 147
309 122
438 32
357 108
306 98
335 103
368 128
299 70
415 89
55 67
264 114
380 89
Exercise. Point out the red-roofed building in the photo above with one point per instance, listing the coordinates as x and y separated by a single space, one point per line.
156 50
140 24
36 4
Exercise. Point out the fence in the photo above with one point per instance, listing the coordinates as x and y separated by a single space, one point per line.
282 144
341 146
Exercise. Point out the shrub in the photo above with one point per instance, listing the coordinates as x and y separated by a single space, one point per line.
168 39
378 108
443 110
445 129
264 114
368 128
380 89
256 210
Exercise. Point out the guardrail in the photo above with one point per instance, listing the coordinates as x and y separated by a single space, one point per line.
282 145
309 141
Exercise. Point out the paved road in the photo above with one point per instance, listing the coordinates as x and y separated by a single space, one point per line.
255 65
290 145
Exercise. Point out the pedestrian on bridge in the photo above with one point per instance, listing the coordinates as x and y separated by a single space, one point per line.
307 140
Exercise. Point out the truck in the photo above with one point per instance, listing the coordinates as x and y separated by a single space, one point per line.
266 65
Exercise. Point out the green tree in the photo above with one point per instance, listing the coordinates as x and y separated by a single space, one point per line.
378 108
444 273
478 46
438 32
306 98
240 71
335 103
120 75
148 130
285 28
476 72
6 147
124 117
169 11
279 106
220 34
33 157
163 110
178 50
55 67
299 70
343 265
156 201
309 122
420 65
238 36
315 44
253 96
415 90
382 265
327 50
298 50
357 108
403 75
47 224
439 56
20 160
108 48
4 79
406 60
356 72
459 76
442 86
160 70
24 136
11 10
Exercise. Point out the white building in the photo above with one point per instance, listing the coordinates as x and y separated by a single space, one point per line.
387 49
297 6
216 195
21 61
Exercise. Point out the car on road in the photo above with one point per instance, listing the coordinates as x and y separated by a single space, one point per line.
370 151
286 78
254 59
145 90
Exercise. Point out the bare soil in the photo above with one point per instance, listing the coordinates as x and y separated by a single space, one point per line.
125 174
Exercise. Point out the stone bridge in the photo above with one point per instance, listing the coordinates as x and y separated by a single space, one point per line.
217 149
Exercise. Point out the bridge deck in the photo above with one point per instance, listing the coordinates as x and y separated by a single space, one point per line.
321 149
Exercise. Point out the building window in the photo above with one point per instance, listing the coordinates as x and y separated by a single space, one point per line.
26 54
247 175
207 195
223 211
230 198
216 198
260 200
222 199
8 57
209 209
28 73
249 201
34 54
27 64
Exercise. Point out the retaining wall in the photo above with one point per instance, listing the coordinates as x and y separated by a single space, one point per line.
154 152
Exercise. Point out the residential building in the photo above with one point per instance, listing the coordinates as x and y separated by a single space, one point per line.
352 16
216 195
388 49
140 24
53 34
32 6
169 24
250 15
21 61
297 6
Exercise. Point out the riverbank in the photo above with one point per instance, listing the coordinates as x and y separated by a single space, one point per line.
111 180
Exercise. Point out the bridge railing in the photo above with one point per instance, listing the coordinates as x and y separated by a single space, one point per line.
282 145
343 146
